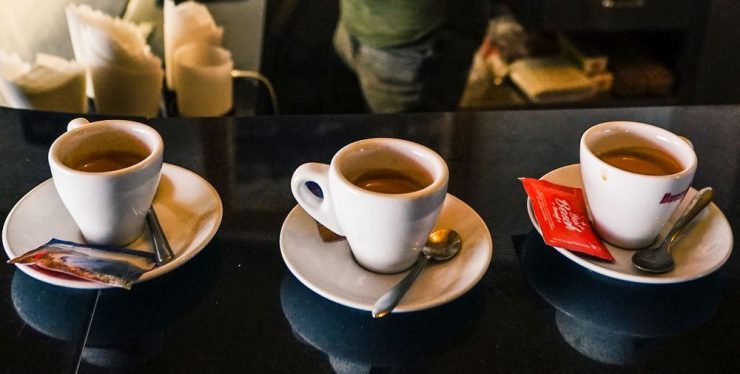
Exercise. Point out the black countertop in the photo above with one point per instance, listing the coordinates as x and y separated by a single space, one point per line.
236 307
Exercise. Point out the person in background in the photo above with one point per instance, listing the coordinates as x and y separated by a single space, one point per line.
410 55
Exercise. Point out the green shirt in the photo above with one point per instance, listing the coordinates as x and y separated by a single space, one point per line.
388 23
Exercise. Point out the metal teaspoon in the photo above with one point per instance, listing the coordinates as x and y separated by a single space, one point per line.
658 259
441 245
162 248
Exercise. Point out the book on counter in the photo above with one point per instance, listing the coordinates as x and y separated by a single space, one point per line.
585 51
551 80
603 81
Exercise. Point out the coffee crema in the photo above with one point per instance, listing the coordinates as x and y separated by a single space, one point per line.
108 161
391 181
642 160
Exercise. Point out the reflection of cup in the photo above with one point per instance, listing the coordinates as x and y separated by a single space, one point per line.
40 305
383 194
635 176
203 81
106 174
356 343
611 320
123 333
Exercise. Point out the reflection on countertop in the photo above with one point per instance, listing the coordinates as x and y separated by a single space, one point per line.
354 342
609 320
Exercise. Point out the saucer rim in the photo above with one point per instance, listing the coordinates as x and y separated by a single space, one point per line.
151 274
665 278
403 307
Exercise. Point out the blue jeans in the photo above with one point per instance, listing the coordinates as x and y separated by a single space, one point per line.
428 75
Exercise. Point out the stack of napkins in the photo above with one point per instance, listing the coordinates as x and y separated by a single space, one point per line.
52 83
186 23
126 76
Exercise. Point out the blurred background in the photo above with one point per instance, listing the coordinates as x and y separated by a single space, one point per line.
530 54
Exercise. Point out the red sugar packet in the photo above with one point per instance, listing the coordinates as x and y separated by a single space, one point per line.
563 218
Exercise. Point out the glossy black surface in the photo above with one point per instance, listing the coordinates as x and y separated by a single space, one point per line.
236 307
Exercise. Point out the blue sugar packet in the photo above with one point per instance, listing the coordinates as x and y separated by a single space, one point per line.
113 266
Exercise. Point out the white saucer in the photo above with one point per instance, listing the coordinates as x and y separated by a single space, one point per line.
330 270
188 207
705 245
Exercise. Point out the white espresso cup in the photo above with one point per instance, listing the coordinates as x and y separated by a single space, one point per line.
384 195
106 174
634 176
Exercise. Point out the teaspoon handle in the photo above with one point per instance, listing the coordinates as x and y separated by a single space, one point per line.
390 299
162 248
701 199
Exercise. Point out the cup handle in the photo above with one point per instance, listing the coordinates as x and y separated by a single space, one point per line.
255 75
75 123
320 208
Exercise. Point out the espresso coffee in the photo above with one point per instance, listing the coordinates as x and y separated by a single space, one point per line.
391 181
642 160
108 161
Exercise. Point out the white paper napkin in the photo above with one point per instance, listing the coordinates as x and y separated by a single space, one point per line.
52 83
126 76
188 22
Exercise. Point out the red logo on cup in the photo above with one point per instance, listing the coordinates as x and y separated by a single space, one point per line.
668 198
